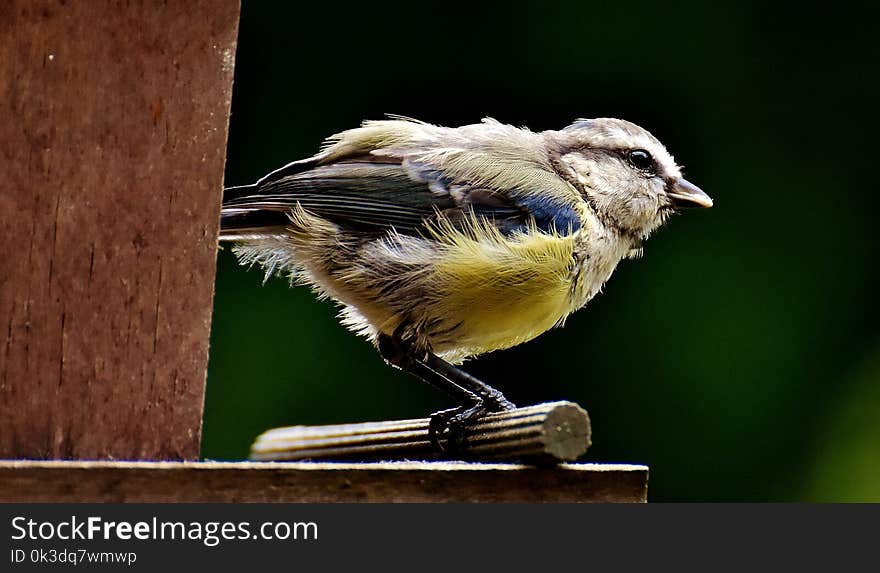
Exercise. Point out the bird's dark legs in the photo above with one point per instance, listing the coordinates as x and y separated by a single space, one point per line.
492 398
475 397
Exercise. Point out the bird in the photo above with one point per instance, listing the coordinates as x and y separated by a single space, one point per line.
440 244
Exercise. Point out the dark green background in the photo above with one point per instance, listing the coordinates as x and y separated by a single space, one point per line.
740 358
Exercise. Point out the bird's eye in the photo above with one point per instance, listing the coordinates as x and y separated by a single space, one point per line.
641 159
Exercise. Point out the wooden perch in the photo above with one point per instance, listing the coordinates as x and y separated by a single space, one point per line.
550 432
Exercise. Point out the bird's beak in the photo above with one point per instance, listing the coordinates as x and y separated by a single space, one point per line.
685 194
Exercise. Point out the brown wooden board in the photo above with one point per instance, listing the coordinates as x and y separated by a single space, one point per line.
319 482
112 148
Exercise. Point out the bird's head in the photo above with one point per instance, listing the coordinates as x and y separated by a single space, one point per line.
626 176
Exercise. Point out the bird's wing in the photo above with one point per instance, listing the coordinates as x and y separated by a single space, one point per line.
379 187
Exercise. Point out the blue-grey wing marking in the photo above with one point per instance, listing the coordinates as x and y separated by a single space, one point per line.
380 195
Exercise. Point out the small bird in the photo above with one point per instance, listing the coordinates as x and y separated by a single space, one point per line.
441 244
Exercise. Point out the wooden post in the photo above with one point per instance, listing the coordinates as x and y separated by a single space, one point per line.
112 147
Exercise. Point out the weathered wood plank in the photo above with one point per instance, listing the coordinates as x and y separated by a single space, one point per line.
318 482
112 148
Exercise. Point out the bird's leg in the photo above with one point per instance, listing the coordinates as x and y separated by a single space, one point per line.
493 399
475 398
453 421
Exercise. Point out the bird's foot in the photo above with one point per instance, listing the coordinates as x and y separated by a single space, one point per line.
447 429
500 404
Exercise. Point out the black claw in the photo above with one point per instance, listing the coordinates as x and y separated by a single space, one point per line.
447 429
438 429
501 404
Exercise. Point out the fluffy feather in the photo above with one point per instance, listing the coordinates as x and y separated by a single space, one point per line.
468 239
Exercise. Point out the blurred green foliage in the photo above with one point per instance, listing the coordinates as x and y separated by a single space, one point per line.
740 358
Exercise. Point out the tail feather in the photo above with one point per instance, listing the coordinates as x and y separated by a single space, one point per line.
239 191
240 223
237 224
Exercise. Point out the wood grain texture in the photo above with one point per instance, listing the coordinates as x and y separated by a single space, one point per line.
545 433
112 149
319 482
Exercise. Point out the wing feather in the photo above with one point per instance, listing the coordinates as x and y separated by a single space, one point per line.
396 175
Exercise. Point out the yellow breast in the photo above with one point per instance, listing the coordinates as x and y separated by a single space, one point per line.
497 291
